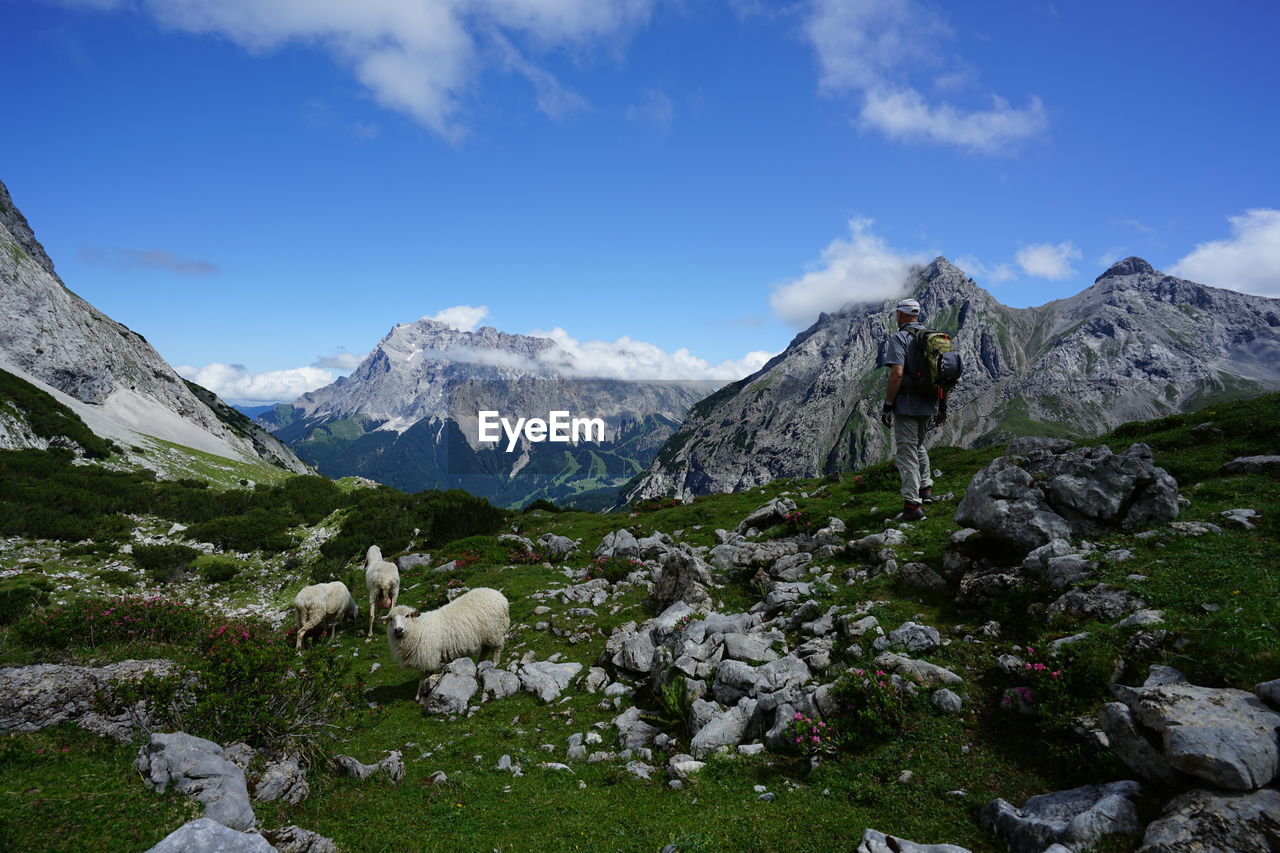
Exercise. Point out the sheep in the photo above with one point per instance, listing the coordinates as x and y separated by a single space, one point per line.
322 603
383 580
472 625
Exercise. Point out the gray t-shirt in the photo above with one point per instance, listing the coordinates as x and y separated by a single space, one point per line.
908 403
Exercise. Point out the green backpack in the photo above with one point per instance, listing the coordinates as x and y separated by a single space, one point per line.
937 367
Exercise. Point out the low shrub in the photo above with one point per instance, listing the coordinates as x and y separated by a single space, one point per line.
870 707
118 577
94 622
811 737
613 569
217 569
163 563
20 593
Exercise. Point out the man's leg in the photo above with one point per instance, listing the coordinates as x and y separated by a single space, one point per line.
922 459
905 438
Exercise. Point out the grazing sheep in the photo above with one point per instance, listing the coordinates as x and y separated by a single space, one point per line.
323 603
383 580
472 625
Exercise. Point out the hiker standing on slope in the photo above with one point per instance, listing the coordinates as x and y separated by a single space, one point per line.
908 411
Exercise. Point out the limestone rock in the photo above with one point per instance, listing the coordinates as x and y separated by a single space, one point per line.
454 689
1077 818
877 842
197 767
206 834
295 839
546 680
1252 465
684 577
392 766
42 695
1217 822
619 543
282 779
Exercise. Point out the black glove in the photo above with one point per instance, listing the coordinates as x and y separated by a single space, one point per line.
941 418
886 414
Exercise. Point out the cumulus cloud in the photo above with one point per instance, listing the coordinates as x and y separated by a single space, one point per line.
235 384
1248 262
418 57
1048 261
627 358
147 259
874 48
862 268
464 318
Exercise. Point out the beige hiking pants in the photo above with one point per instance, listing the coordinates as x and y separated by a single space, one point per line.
913 460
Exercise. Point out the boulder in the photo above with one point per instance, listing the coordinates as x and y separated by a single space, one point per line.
634 732
619 543
405 562
1077 819
295 839
1028 501
1223 736
684 577
920 576
454 689
556 545
921 672
206 834
636 653
979 589
1101 602
748 647
1252 465
946 702
36 697
1216 822
546 680
912 636
726 729
768 515
655 545
877 842
282 779
497 683
197 768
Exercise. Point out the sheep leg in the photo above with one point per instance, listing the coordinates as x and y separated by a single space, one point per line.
306 626
373 611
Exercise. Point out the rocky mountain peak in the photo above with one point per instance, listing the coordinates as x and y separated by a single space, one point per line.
1132 265
12 220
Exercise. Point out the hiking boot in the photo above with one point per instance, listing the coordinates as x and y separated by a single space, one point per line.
911 512
926 495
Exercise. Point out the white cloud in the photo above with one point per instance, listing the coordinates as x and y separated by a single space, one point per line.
1248 262
875 47
860 269
418 57
464 318
1048 261
655 110
627 358
342 361
234 384
981 272
906 116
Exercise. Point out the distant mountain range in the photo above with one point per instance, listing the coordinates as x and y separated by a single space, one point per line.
103 371
408 415
1136 345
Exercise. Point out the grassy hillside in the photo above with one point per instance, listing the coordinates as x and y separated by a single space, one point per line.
924 781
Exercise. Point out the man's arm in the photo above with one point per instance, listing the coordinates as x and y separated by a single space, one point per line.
895 382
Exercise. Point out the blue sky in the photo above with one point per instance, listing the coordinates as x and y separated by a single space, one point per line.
263 189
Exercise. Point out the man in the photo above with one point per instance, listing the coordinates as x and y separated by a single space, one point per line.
908 410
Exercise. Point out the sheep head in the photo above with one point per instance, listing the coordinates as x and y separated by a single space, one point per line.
396 618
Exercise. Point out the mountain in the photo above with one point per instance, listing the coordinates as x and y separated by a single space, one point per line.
408 416
1136 345
104 372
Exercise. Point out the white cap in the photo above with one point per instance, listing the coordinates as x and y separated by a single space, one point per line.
909 306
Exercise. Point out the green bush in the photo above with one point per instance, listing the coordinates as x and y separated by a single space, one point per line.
20 593
259 529
118 577
869 707
48 418
613 569
163 563
540 504
94 622
217 569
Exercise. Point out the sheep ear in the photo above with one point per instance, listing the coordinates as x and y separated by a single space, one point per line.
385 619
415 614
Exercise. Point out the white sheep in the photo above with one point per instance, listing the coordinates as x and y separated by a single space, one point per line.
383 580
472 625
323 603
